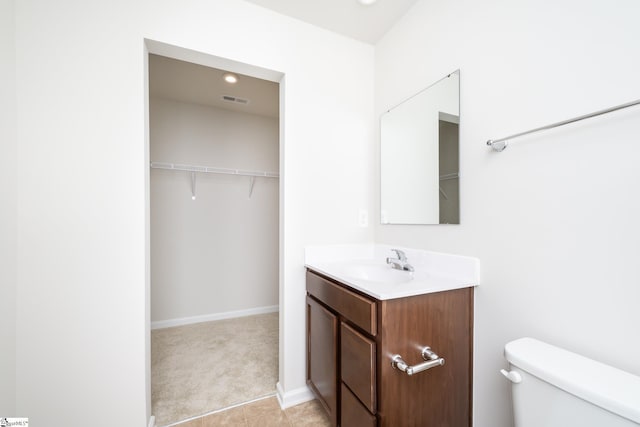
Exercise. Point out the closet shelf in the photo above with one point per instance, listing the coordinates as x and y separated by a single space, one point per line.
449 176
209 169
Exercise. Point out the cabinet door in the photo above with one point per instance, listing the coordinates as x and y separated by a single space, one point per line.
358 365
322 356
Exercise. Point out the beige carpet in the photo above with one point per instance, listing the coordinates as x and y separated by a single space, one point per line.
199 368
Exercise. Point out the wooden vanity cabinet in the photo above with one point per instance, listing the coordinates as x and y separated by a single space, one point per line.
352 337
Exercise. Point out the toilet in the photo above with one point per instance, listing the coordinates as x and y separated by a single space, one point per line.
553 387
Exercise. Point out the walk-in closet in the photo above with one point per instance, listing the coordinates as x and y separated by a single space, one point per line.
214 184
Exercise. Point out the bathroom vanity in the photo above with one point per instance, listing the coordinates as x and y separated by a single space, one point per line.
366 335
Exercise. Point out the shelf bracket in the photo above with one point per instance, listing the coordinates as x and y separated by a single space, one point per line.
443 193
252 181
193 185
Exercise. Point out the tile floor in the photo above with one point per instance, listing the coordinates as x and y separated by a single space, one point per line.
265 413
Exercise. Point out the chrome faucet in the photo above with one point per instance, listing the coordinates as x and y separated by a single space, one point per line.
400 263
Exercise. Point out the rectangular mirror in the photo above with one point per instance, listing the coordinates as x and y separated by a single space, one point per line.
419 168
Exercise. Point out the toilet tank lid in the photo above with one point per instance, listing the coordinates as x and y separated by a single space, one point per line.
610 388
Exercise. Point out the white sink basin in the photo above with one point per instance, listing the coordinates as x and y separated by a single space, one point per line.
376 273
363 268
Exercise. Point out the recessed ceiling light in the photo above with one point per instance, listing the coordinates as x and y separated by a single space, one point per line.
366 2
230 78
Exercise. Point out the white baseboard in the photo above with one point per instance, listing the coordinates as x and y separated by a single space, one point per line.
152 421
293 397
159 324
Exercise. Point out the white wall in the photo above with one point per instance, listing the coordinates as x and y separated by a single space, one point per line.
8 204
554 218
81 317
219 252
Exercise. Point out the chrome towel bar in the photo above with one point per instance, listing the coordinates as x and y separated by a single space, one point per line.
501 144
431 361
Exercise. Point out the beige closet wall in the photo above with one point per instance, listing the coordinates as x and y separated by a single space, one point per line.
216 255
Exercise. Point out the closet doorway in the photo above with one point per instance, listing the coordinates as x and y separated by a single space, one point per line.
214 236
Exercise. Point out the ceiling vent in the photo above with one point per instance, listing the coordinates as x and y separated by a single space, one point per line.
235 100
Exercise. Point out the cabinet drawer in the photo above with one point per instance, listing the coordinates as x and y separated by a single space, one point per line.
356 308
353 414
358 365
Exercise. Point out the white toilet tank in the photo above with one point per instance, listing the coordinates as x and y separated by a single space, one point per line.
553 387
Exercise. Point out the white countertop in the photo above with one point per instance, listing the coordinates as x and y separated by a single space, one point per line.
364 268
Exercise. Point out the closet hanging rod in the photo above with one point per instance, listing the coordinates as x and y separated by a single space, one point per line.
209 169
501 144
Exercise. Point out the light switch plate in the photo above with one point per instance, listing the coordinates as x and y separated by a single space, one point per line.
363 218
